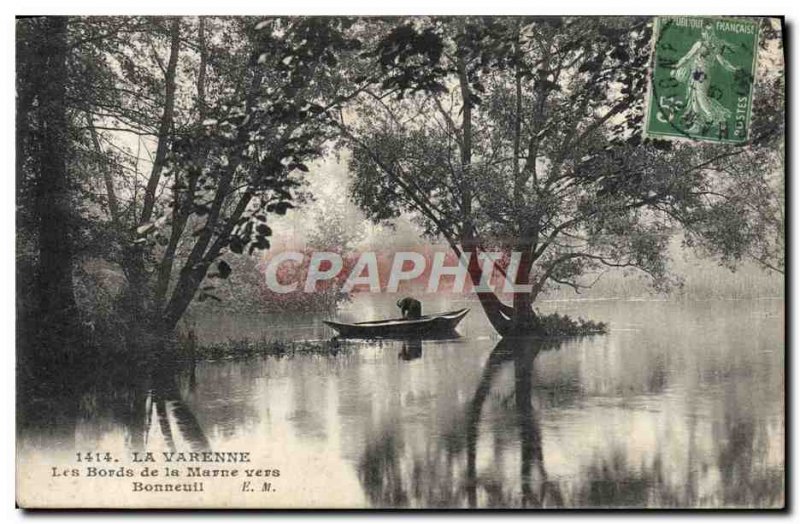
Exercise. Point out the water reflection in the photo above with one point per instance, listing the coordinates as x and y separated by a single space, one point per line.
521 354
411 349
146 406
688 419
680 406
167 406
381 472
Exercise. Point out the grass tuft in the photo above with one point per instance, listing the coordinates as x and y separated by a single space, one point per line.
555 325
247 348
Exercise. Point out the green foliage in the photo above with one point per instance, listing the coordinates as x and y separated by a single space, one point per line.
185 136
531 140
555 325
334 227
248 348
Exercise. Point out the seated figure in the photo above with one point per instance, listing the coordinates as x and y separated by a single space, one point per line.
410 307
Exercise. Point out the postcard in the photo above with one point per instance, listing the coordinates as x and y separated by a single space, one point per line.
401 262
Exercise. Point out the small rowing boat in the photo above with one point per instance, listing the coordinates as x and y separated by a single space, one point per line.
425 326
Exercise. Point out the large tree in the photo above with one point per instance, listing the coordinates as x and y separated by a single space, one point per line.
525 134
230 109
43 182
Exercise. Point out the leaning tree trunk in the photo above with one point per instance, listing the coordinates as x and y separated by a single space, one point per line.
518 318
56 301
499 314
523 318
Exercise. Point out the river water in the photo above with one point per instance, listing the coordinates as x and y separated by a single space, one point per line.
681 404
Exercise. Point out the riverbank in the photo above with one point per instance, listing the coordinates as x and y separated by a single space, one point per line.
247 348
552 326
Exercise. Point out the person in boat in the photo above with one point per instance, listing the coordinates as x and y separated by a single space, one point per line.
411 308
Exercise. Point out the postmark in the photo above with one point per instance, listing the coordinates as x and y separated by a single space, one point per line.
701 84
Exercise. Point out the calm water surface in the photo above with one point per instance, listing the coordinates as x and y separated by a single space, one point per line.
681 404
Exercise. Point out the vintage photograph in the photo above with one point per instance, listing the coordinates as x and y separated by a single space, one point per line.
400 262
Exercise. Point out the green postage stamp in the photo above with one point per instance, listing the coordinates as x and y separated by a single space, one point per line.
702 80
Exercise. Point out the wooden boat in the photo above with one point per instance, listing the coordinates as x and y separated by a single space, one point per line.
429 326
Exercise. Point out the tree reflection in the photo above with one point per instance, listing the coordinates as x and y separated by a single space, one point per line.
126 398
521 352
170 409
381 474
435 479
52 407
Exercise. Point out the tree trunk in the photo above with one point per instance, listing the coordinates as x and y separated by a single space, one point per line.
195 269
506 320
189 281
138 293
499 314
57 310
202 256
524 318
108 180
165 126
184 200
